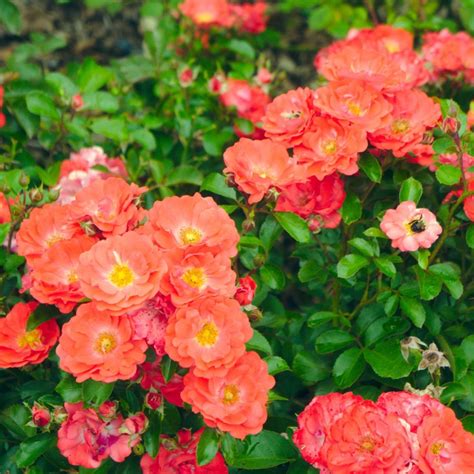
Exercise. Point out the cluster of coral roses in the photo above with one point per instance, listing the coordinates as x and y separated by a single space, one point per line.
401 433
247 17
371 101
160 278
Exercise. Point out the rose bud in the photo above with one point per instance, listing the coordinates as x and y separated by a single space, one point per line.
186 77
245 291
40 415
153 400
108 409
264 76
77 102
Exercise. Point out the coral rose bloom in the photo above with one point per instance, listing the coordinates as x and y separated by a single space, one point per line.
192 222
19 347
314 423
119 274
45 227
258 166
206 13
110 205
208 334
96 345
366 439
5 215
250 17
445 447
54 276
180 457
393 40
289 116
410 227
331 146
356 102
412 115
197 275
236 402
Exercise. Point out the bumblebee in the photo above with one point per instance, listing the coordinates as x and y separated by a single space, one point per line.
417 225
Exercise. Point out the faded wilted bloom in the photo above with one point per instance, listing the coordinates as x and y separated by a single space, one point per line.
430 390
433 359
408 343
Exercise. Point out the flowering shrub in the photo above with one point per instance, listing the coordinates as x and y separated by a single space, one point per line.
206 268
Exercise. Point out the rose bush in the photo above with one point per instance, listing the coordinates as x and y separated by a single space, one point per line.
207 268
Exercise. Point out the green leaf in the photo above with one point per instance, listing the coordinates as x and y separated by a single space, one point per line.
31 449
168 368
269 232
371 167
310 367
39 103
273 276
10 16
333 340
262 451
69 390
207 447
30 122
215 140
430 284
294 225
374 232
414 310
351 210
259 343
391 305
62 84
276 365
321 317
242 48
4 231
470 236
41 314
450 274
91 76
350 265
151 438
215 183
386 266
310 270
100 100
348 367
387 361
448 174
411 190
363 246
444 145
468 423
185 174
422 257
96 392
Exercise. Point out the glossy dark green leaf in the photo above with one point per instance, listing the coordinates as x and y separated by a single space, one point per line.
348 367
414 310
96 392
31 449
207 447
387 361
350 265
411 190
351 210
370 165
215 183
333 340
294 225
151 438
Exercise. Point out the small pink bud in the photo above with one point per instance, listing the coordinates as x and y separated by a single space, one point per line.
264 76
245 291
186 77
77 102
40 415
153 400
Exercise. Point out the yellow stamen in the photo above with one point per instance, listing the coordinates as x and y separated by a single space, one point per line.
231 395
31 339
194 277
53 239
354 108
392 46
368 444
190 235
121 275
436 448
208 335
72 277
204 17
330 147
400 126
105 343
292 114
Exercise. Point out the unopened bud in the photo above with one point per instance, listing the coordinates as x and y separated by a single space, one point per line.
54 194
139 449
255 315
36 195
24 180
153 400
77 102
230 181
259 260
40 415
248 225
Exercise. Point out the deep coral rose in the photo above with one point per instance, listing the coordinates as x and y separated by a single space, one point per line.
78 436
250 17
245 290
20 347
45 227
54 277
84 167
314 423
40 416
330 146
206 13
5 215
391 39
180 457
209 335
445 447
192 222
150 322
3 119
469 202
110 205
413 70
410 407
421 154
249 101
121 273
410 227
197 275
236 402
356 102
289 116
366 439
152 378
258 166
96 345
317 200
413 114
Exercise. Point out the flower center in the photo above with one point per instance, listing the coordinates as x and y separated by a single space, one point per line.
208 335
400 126
53 239
121 275
32 339
354 108
416 225
105 343
368 444
72 277
204 17
194 277
436 448
231 395
190 235
291 114
392 46
330 147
